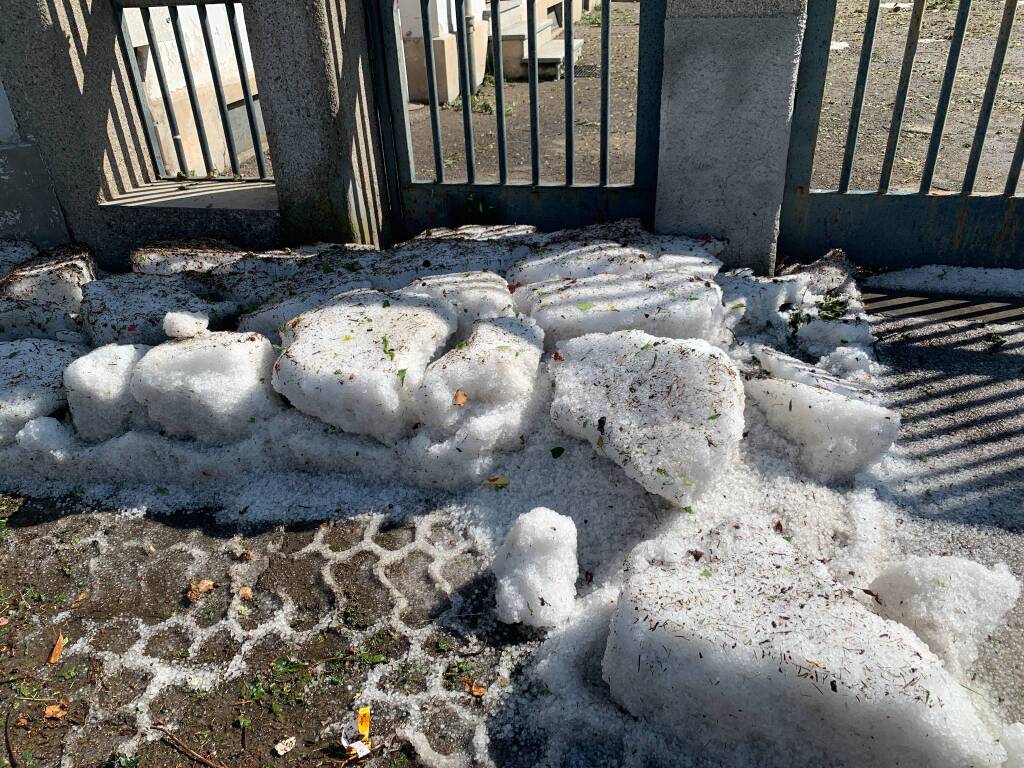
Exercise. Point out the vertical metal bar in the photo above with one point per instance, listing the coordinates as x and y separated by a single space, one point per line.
648 93
243 75
190 87
385 16
870 26
988 100
218 89
498 65
570 97
172 121
606 87
945 94
435 117
531 42
394 128
1013 178
138 94
465 88
896 124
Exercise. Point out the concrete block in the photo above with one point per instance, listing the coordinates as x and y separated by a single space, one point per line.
727 102
446 68
319 113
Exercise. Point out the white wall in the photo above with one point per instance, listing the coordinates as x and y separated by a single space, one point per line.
442 16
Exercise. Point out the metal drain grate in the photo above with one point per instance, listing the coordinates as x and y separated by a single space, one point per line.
587 70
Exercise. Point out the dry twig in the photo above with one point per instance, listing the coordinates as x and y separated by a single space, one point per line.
11 757
185 749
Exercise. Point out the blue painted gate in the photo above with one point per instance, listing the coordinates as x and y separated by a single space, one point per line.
416 204
885 228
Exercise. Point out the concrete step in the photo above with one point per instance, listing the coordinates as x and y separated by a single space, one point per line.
553 51
505 7
545 29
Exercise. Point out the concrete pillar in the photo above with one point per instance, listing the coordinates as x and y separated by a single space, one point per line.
28 207
726 106
63 73
312 65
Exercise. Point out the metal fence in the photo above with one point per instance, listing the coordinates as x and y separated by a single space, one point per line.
187 64
889 227
422 203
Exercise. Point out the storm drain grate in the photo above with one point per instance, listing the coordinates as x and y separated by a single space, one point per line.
587 70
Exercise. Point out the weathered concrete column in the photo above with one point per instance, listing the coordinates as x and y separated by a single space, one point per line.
64 77
312 65
726 105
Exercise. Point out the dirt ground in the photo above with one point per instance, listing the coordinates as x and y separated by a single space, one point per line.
239 641
622 136
884 74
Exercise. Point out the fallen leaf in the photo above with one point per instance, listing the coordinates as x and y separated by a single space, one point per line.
284 747
21 722
199 588
245 593
4 621
557 357
58 648
460 399
478 690
497 482
56 711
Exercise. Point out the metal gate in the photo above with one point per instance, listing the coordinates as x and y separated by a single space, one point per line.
886 228
417 204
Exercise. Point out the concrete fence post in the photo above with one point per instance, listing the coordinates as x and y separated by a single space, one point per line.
726 108
69 95
312 65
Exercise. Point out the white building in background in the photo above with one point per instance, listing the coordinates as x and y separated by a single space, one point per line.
443 26
192 35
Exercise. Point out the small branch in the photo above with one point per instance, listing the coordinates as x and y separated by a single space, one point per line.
185 749
11 757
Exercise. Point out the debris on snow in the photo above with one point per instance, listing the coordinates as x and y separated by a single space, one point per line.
473 295
212 387
838 433
13 253
173 258
130 308
25 319
470 248
820 337
536 570
953 281
303 295
354 362
752 639
668 411
849 362
667 303
951 603
99 393
274 277
590 255
31 373
765 302
480 391
56 278
783 366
